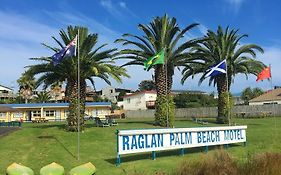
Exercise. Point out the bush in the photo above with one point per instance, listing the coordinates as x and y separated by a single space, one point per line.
221 163
263 164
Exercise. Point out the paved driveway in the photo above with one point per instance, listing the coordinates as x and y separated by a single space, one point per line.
7 130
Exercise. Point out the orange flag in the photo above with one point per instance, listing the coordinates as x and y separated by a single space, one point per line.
265 74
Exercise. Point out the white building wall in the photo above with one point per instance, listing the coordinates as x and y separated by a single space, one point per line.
265 102
120 103
6 93
138 101
2 88
150 97
110 93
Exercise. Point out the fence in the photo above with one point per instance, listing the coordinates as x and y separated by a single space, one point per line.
244 110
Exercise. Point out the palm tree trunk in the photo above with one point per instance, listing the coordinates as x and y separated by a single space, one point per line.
72 119
164 109
222 100
160 80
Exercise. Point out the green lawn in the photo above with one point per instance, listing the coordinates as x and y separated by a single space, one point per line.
36 145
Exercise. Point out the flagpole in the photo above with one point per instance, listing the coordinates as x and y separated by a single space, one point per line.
78 99
273 103
166 67
270 77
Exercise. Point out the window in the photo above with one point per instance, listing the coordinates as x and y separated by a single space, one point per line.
2 114
95 112
270 103
50 113
36 113
18 114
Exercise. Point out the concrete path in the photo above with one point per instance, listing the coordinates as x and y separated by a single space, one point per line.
6 130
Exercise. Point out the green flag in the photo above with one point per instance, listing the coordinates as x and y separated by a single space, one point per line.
159 58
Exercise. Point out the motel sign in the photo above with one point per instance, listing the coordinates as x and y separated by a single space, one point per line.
151 140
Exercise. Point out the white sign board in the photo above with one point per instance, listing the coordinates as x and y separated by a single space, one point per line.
135 141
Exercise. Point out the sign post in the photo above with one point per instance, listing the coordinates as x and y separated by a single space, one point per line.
152 140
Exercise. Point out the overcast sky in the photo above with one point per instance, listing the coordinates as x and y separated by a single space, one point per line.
26 24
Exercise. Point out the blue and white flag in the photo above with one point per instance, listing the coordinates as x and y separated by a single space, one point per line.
67 51
217 69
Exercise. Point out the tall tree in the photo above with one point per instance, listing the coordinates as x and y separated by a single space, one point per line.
189 100
163 33
27 84
95 61
42 97
215 47
249 93
147 85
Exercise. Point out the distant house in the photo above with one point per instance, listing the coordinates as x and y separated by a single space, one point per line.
50 111
112 93
139 100
58 94
6 93
90 93
270 97
237 100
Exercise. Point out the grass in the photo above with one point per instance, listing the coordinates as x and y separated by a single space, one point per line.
36 145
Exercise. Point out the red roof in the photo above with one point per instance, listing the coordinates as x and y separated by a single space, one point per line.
141 92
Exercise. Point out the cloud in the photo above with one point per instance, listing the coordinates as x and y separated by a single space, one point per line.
20 38
235 4
112 9
203 29
20 28
271 56
119 10
105 34
123 5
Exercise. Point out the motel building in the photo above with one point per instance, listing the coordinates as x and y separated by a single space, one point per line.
50 111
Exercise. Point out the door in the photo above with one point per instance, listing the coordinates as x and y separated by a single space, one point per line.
29 116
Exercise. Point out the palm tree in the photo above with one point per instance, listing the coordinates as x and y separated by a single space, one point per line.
42 97
161 33
94 62
27 84
215 47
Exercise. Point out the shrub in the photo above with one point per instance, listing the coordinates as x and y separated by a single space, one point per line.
219 163
263 164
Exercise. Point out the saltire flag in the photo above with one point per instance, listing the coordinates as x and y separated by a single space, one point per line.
159 58
67 51
217 69
264 74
